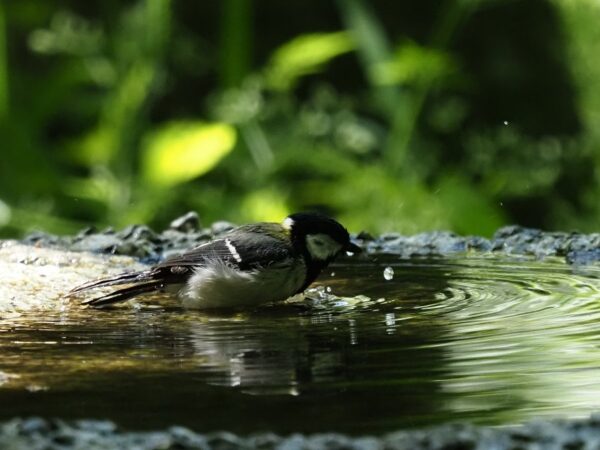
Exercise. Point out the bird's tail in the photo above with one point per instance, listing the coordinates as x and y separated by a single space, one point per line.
122 278
141 282
121 295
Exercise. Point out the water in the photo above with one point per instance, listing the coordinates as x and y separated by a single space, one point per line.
494 341
388 273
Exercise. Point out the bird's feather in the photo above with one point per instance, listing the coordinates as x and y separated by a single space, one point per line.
123 294
122 278
245 249
254 246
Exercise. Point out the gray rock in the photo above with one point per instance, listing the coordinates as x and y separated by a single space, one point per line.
185 233
221 227
33 425
98 243
137 233
38 433
583 257
186 223
27 271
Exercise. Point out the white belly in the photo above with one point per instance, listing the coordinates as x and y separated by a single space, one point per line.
221 286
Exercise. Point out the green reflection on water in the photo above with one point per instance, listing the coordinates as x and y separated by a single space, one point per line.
486 339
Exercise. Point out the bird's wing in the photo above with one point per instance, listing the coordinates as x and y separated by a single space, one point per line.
246 248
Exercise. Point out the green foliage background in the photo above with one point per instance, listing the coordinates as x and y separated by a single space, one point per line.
405 116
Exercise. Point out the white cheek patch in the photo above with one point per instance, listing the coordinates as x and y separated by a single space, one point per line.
233 251
322 247
288 223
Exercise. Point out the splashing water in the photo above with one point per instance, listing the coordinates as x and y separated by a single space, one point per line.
388 273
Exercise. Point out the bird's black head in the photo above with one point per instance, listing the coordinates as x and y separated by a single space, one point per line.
321 236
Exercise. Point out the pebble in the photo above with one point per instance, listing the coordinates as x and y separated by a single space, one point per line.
221 227
35 432
185 232
186 223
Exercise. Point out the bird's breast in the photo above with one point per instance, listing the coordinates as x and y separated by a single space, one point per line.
219 285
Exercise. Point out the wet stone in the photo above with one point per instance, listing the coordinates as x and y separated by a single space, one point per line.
387 237
263 441
40 433
86 232
98 243
33 425
63 439
332 441
364 236
184 233
479 244
294 442
184 438
224 441
221 227
509 231
186 223
368 443
137 233
45 240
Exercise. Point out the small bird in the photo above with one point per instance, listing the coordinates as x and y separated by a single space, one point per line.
252 264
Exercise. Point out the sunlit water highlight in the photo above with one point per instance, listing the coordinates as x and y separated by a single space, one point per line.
490 340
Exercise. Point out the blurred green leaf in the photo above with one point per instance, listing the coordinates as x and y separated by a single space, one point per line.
236 41
420 146
373 48
4 88
372 198
580 19
35 217
5 213
265 205
100 186
305 55
413 64
469 209
68 33
511 164
111 139
182 151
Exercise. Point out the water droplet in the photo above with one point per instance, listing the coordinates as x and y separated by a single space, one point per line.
388 273
328 289
505 123
390 319
333 274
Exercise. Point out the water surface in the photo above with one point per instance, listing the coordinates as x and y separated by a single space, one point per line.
486 339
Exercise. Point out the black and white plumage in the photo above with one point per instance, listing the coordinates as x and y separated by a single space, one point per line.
250 265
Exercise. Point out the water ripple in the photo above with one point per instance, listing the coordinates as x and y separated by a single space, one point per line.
486 339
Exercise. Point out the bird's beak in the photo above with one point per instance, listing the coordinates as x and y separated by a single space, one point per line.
353 248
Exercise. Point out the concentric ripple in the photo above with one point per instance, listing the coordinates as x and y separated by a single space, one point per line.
379 344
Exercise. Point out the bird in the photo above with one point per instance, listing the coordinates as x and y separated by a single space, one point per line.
250 265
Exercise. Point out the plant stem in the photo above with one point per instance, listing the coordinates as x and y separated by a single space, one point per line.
236 42
4 92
